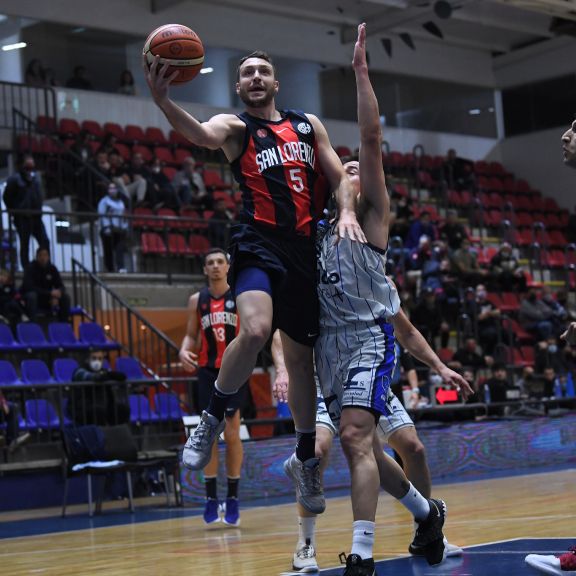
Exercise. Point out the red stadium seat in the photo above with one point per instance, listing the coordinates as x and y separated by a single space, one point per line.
125 152
454 198
555 259
134 133
180 154
522 186
152 243
115 130
93 128
199 222
494 299
481 168
524 220
168 220
483 183
177 245
26 143
47 145
343 151
164 154
495 185
68 127
177 139
550 205
557 238
496 201
155 136
46 124
529 355
523 237
510 302
169 172
553 221
213 180
485 255
446 354
145 151
199 245
519 332
141 218
495 168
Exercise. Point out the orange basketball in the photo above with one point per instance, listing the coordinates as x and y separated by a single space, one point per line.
180 47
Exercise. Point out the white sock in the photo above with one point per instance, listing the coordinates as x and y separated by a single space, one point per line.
306 531
363 539
416 504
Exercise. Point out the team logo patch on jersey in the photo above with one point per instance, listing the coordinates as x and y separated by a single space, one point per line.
304 128
261 133
229 304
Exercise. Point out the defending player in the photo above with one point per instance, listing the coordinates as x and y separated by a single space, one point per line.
565 563
279 160
212 325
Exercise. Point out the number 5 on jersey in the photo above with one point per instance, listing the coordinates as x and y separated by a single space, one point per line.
296 179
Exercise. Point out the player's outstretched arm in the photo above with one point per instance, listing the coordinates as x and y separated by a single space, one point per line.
191 342
372 180
212 134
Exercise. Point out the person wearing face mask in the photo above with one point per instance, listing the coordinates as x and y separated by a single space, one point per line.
549 354
99 405
23 192
113 229
536 317
161 191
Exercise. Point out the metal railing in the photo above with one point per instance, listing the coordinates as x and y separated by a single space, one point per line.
32 101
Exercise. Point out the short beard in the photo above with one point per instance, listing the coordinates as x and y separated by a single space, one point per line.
245 97
571 162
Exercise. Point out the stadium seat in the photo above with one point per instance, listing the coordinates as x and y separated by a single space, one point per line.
557 238
168 407
134 134
555 259
62 334
169 172
517 330
93 335
125 152
494 299
155 136
8 375
180 155
140 410
63 369
524 220
26 143
7 341
529 355
199 245
93 128
48 145
141 219
550 205
199 222
145 151
130 367
68 127
32 337
213 181
35 372
343 151
46 124
510 302
481 167
177 245
164 154
115 130
446 354
177 139
41 415
152 243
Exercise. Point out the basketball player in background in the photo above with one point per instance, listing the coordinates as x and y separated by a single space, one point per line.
280 161
212 325
565 563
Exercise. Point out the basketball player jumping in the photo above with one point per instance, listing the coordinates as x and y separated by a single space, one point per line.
565 563
279 160
212 325
354 354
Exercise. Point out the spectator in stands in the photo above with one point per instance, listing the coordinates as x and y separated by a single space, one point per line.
189 185
469 357
470 377
525 382
34 74
109 144
536 317
50 78
569 358
43 289
99 405
113 229
562 299
9 413
161 191
506 270
551 382
452 232
458 172
11 310
81 146
131 180
428 319
23 192
465 264
79 79
417 260
560 313
421 226
401 211
498 383
548 353
219 224
127 86
487 318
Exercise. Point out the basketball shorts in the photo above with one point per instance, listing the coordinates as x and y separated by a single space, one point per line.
206 379
355 366
291 267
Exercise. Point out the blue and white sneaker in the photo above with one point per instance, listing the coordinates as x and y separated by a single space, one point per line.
211 512
231 512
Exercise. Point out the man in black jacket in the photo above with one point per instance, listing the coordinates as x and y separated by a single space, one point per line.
43 288
23 193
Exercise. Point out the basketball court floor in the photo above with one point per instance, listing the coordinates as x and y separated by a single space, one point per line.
498 521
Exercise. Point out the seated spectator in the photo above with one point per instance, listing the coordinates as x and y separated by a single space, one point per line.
219 224
43 289
458 172
428 319
562 299
109 144
113 229
131 180
127 86
536 317
401 215
50 78
552 383
465 264
34 74
161 192
469 357
421 226
452 232
420 255
22 192
487 318
9 415
79 79
560 313
526 380
499 383
190 187
81 146
506 270
549 354
569 358
11 310
99 405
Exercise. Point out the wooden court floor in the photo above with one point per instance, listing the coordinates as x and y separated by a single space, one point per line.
539 505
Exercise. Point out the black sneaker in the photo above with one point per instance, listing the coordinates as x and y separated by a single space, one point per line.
429 539
355 566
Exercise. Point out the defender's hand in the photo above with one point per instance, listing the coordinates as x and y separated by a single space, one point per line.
348 227
359 60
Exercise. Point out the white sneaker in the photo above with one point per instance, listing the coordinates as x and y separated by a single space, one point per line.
548 564
451 550
198 448
305 560
306 478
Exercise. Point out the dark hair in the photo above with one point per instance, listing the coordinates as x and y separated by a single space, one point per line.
256 54
498 366
30 67
130 78
42 249
216 251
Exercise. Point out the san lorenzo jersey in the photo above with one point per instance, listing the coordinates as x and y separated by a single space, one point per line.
219 325
352 283
279 174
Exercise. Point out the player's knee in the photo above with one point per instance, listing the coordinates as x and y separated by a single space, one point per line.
356 441
256 334
322 447
414 448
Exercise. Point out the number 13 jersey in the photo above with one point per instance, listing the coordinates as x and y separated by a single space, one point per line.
219 325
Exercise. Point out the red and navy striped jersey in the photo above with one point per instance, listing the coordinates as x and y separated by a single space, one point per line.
279 174
219 325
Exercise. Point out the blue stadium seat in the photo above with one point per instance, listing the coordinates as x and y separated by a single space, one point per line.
62 334
140 410
8 376
7 341
131 367
35 372
168 407
93 335
32 337
63 369
40 414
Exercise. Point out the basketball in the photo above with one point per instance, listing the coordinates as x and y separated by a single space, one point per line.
180 47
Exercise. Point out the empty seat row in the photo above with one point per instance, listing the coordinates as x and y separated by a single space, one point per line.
176 245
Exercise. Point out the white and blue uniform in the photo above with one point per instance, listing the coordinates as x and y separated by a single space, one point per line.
354 353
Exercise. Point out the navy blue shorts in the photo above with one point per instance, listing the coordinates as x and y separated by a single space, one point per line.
291 267
206 379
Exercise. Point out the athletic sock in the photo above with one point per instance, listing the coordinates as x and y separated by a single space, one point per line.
233 487
211 484
305 444
416 504
363 539
306 531
218 403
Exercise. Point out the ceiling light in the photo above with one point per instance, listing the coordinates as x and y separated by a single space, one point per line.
206 70
78 30
474 111
16 46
